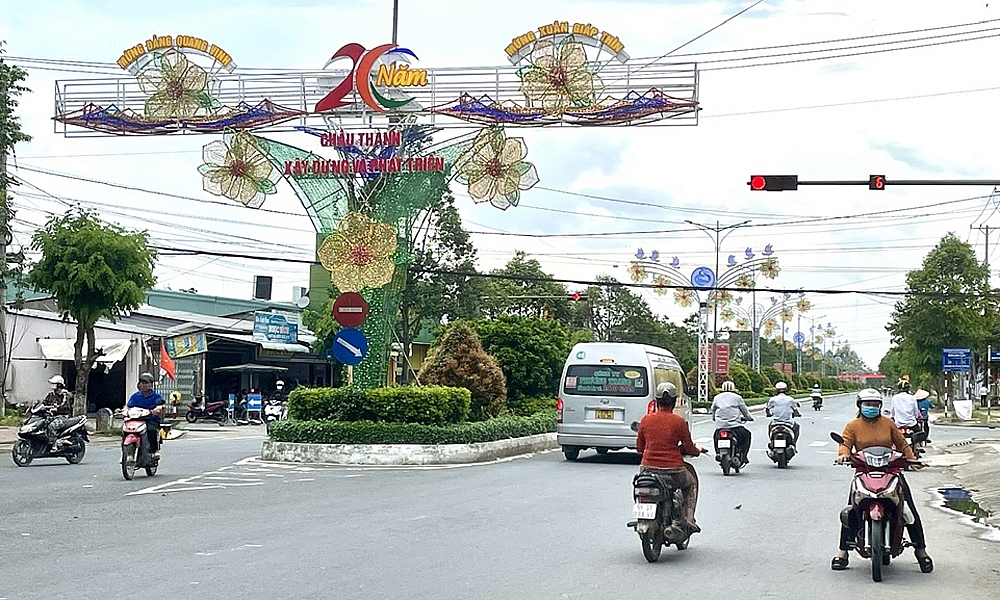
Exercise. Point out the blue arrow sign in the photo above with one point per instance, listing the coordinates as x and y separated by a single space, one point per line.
350 346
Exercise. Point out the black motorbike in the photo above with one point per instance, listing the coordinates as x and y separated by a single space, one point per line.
781 447
45 435
659 509
817 402
728 453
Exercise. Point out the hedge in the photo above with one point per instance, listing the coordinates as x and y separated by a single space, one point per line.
369 432
429 405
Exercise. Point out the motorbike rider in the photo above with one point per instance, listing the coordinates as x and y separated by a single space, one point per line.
151 400
924 406
279 390
729 411
664 438
783 409
871 428
59 398
903 407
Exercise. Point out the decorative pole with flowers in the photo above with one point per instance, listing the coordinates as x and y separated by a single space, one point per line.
759 319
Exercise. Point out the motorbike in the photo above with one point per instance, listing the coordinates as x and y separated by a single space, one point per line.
658 509
817 402
274 410
136 453
44 435
216 411
727 451
878 511
910 433
781 447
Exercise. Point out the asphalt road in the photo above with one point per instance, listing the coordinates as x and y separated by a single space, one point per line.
215 523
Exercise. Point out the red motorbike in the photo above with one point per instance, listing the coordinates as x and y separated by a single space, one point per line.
216 411
878 512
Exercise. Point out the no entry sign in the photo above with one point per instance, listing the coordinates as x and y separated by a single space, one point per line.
350 309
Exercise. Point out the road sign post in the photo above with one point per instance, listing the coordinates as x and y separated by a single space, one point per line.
350 309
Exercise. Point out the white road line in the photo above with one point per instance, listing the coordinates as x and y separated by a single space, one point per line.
819 444
702 440
231 479
306 479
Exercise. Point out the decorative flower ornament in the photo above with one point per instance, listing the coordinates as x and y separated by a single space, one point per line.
359 254
722 298
745 282
786 315
559 78
661 284
683 297
768 328
495 170
176 87
727 314
637 271
769 268
238 169
803 305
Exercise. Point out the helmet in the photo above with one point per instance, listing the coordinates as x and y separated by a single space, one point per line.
279 383
728 386
781 386
666 389
57 380
869 395
147 377
904 384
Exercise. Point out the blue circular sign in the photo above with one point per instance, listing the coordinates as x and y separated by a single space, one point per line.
350 346
799 338
702 277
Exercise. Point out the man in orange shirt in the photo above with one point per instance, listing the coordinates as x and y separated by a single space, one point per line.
663 440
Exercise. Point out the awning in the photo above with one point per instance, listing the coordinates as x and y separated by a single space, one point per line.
251 368
248 339
62 349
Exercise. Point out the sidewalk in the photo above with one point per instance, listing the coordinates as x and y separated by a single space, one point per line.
976 466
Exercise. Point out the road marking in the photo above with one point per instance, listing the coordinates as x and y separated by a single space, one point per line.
702 440
819 444
306 479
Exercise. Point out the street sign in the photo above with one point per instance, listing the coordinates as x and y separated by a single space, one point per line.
956 359
350 309
270 327
350 346
799 338
994 355
722 358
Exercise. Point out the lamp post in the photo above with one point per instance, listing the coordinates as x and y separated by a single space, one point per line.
759 317
812 339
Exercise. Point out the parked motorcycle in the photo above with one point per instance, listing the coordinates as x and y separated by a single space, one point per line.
878 511
136 453
781 444
44 435
817 402
274 410
216 411
727 452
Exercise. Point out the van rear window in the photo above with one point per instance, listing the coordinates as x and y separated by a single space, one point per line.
606 380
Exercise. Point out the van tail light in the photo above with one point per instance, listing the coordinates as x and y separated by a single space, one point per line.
651 407
559 410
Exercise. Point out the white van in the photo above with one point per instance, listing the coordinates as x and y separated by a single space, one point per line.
605 387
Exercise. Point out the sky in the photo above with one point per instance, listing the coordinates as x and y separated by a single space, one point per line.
926 113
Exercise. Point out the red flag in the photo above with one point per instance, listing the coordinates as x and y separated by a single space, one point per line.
167 363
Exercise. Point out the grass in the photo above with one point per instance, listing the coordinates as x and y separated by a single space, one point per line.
13 419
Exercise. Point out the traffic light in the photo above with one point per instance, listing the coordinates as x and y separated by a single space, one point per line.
876 182
773 183
577 296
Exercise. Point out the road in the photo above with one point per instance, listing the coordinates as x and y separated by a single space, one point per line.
216 523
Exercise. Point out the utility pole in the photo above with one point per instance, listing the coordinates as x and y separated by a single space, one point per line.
4 229
395 19
986 230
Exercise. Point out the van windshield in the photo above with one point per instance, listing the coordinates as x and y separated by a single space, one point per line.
606 380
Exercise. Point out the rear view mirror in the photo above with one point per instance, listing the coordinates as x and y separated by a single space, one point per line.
836 437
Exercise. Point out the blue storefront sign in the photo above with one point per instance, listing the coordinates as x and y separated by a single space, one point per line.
956 359
269 327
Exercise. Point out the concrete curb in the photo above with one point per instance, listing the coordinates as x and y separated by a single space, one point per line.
406 454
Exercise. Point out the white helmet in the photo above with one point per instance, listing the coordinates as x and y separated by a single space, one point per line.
279 383
728 386
781 386
57 380
666 389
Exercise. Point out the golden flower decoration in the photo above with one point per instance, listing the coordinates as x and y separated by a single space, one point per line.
559 78
637 271
661 284
722 298
176 87
769 268
745 281
495 170
742 324
683 297
727 314
818 339
359 254
786 315
769 327
238 169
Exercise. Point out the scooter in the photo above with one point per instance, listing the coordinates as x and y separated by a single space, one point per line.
216 411
44 435
274 410
910 433
727 451
878 512
136 453
781 445
817 402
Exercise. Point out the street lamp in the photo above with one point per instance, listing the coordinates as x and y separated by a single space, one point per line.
758 317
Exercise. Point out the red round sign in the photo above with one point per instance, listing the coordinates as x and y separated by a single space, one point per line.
350 309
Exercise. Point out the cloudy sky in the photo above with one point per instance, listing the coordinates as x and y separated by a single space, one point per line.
924 113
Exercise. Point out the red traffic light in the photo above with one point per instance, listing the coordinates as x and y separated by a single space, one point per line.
757 182
773 183
576 296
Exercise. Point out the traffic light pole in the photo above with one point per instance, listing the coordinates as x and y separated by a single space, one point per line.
781 183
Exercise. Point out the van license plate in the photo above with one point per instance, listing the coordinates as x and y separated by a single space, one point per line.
644 511
604 414
780 443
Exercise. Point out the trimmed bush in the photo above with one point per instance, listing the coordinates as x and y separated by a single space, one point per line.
530 406
430 405
740 377
369 432
460 361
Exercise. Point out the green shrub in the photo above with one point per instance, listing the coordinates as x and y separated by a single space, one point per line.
431 405
530 406
460 361
740 377
774 376
531 351
338 404
757 383
369 432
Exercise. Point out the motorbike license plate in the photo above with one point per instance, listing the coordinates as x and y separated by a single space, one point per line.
725 444
644 511
780 443
604 414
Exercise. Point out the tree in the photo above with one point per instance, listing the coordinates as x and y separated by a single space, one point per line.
94 270
460 361
531 352
10 134
891 364
949 304
524 289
